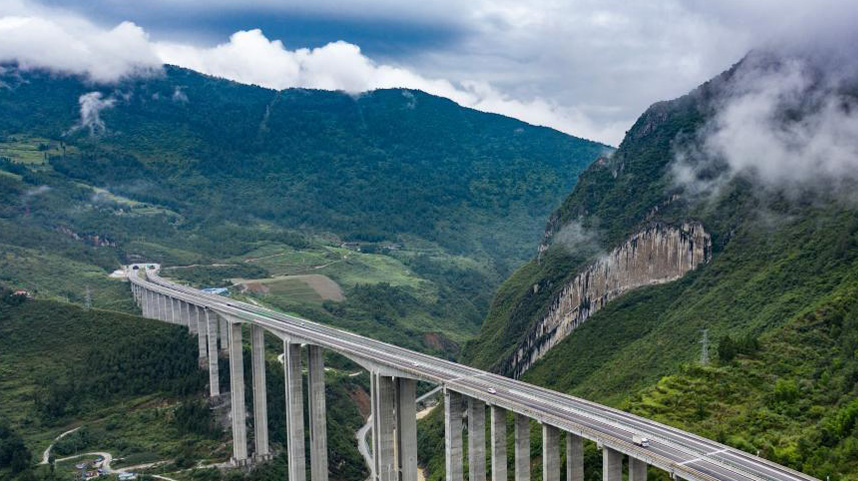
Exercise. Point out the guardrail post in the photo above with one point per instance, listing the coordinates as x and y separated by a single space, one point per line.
214 380
453 435
612 465
574 457
236 383
406 428
637 469
294 411
318 423
522 448
260 401
498 433
550 453
476 440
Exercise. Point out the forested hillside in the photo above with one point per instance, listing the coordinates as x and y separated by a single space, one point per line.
381 165
774 298
133 388
414 207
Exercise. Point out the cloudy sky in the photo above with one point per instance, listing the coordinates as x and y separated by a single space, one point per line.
586 67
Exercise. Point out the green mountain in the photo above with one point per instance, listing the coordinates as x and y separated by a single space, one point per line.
132 387
387 164
639 261
412 206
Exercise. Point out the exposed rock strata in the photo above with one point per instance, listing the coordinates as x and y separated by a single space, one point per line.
658 254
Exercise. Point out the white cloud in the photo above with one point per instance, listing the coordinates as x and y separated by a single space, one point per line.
250 57
783 122
586 67
76 46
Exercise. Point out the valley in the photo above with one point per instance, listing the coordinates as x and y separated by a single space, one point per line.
674 307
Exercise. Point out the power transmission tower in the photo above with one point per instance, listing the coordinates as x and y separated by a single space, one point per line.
704 352
87 300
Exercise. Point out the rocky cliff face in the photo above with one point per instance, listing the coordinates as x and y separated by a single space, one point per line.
657 254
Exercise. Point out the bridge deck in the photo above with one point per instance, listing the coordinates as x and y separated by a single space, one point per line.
681 453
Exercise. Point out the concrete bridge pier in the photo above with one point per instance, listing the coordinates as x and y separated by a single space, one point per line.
145 303
612 465
637 469
383 435
214 379
550 453
198 318
476 440
173 311
453 435
165 316
498 443
317 409
294 411
224 336
522 448
260 401
406 428
236 383
190 317
574 457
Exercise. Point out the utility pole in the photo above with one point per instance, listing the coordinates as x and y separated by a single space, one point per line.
87 300
704 352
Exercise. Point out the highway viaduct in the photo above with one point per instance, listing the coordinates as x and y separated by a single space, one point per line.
218 322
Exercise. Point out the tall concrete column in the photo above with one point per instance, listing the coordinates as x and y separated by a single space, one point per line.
190 318
294 411
260 401
522 448
637 469
612 465
477 440
318 423
198 319
150 305
162 304
453 435
574 457
383 437
224 336
145 303
550 453
174 313
406 428
236 382
214 379
498 444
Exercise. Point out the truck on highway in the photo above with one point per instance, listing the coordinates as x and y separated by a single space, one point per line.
640 441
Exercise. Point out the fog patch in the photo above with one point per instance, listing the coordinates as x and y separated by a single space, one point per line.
577 239
179 96
785 123
91 105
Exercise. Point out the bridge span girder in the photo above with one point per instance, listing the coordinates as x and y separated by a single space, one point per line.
394 372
